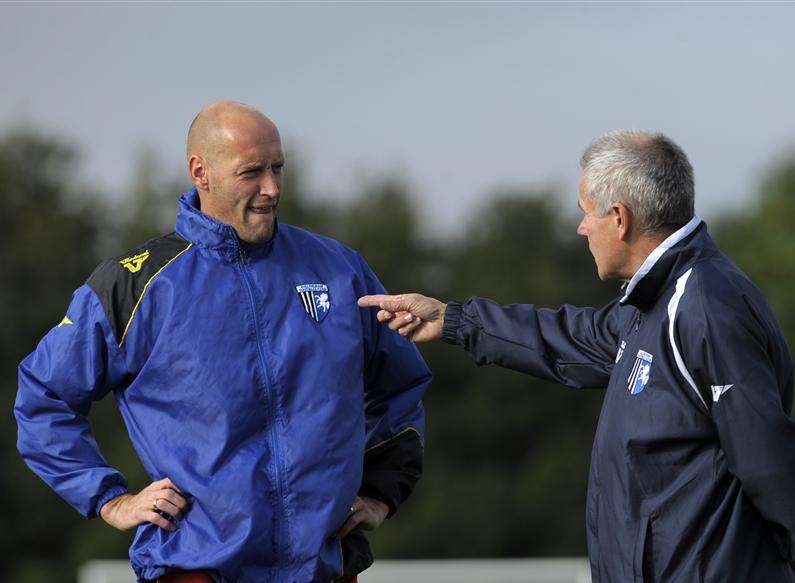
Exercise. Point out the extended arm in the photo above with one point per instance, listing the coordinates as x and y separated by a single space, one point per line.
572 346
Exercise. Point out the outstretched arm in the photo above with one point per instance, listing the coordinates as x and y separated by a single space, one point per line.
570 345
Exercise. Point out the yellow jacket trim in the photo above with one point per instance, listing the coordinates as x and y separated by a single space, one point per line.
143 292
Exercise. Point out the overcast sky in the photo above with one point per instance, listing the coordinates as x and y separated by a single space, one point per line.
459 98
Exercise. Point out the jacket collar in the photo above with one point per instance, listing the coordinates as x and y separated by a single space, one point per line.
665 262
205 231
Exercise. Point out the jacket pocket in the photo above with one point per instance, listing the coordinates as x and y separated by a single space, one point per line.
642 540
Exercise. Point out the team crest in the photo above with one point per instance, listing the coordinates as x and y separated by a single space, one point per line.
640 373
315 298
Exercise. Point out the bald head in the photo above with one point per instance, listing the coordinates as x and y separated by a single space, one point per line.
222 123
235 161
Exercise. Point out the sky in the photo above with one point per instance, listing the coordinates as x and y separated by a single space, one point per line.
460 100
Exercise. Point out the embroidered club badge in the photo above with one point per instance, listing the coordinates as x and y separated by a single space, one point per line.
640 373
315 298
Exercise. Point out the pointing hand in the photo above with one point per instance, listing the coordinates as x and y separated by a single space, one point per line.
414 316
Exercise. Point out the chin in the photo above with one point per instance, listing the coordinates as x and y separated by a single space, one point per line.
603 273
258 234
256 238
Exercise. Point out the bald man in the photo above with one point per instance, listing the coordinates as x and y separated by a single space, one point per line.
274 419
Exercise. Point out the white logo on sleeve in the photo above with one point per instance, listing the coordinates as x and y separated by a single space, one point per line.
621 350
718 390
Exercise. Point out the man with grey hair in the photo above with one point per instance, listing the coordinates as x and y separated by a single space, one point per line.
692 473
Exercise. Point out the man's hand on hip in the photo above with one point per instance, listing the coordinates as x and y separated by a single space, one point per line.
417 317
128 511
366 513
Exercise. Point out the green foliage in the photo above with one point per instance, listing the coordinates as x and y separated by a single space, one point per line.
506 455
761 240
48 233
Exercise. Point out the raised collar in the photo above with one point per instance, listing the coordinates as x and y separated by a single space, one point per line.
664 262
205 231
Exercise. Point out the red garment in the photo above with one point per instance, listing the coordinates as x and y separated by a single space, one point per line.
197 577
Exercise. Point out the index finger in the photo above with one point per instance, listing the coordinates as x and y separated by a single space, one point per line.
383 301
373 301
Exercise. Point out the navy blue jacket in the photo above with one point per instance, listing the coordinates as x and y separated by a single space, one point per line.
692 474
247 375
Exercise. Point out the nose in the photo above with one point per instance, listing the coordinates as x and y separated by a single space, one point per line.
581 229
270 184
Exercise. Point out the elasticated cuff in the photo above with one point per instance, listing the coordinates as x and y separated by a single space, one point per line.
108 496
452 322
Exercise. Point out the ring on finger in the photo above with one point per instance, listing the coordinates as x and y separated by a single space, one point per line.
154 503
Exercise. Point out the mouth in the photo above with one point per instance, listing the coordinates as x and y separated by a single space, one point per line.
262 210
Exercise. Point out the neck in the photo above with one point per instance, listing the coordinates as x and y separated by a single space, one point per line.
640 250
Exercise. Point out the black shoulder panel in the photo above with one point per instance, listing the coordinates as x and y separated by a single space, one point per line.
120 282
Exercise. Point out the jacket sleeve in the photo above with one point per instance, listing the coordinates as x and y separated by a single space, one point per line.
572 346
740 364
76 363
396 378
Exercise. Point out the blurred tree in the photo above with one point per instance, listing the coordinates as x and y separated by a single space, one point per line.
381 224
760 238
49 235
296 207
506 455
148 209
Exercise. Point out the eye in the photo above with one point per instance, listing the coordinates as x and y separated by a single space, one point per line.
277 168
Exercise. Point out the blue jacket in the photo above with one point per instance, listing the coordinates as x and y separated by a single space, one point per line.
692 473
247 375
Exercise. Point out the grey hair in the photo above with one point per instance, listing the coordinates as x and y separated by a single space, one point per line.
646 172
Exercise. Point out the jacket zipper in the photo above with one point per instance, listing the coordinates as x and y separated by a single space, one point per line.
271 401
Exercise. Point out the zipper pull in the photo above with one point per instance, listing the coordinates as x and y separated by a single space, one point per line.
242 256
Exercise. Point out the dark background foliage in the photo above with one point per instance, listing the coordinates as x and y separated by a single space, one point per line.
506 455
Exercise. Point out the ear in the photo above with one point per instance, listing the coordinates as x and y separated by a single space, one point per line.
199 172
622 220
